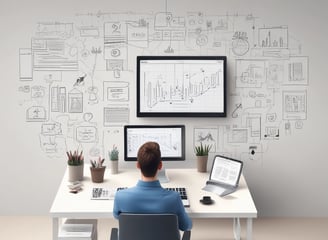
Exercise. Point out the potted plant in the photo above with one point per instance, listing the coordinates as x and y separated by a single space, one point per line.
97 170
202 156
113 157
75 164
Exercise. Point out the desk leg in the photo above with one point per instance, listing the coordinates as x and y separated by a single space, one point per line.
249 228
55 226
236 228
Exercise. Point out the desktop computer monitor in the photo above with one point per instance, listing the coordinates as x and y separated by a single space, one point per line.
171 139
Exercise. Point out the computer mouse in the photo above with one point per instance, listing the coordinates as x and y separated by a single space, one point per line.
206 200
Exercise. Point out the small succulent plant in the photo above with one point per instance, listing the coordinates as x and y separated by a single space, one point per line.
75 158
113 154
202 150
97 163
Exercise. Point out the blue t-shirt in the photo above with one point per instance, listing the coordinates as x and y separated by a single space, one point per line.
150 197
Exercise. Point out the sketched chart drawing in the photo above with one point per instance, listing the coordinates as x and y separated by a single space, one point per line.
295 105
274 37
250 73
297 69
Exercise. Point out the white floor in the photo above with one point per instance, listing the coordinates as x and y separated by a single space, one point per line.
39 228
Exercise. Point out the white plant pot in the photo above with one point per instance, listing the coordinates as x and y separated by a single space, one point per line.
114 166
75 173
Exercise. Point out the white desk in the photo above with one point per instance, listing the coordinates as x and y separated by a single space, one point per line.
236 205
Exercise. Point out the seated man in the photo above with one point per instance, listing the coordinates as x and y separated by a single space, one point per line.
148 196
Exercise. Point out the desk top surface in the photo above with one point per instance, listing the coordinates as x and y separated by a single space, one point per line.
238 204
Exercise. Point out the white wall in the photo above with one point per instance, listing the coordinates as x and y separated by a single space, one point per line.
288 173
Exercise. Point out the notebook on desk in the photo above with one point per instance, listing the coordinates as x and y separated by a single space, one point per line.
224 176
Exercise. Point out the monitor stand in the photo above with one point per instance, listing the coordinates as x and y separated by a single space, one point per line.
162 176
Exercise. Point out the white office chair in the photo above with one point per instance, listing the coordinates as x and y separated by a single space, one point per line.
148 227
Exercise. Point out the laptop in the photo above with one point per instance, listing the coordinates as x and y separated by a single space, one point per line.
224 176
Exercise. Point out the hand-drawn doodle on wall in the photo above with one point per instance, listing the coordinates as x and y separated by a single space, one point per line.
25 64
58 100
113 136
52 55
138 34
208 136
235 112
116 91
70 64
253 124
254 153
168 28
51 137
115 44
87 135
238 136
297 70
87 132
273 37
36 114
116 115
240 45
250 73
294 105
75 101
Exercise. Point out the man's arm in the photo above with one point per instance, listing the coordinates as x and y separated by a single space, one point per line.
184 220
116 211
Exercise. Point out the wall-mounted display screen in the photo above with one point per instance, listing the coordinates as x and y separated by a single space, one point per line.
181 86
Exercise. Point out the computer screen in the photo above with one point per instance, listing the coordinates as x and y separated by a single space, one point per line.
171 139
226 170
181 86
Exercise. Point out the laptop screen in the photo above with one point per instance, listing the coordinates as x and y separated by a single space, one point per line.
226 170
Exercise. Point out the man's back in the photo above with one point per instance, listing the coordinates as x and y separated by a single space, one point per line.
150 197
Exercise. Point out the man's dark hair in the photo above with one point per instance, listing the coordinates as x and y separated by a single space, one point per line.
149 158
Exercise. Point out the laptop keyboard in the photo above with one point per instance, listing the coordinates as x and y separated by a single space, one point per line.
181 190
